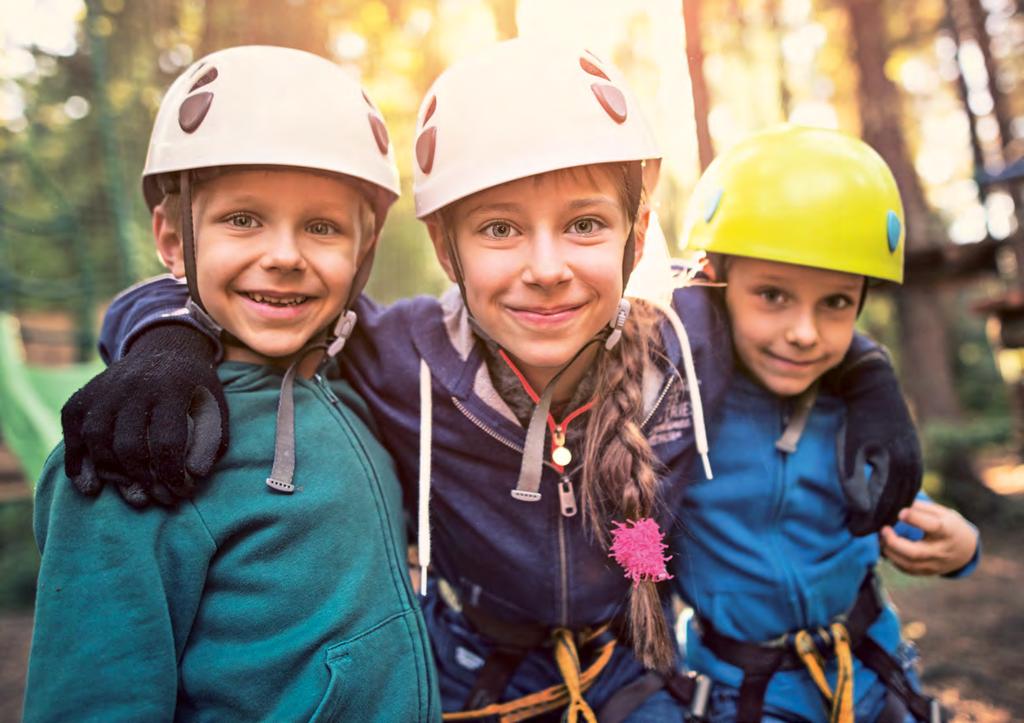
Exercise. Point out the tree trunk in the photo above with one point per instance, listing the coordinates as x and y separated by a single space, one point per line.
785 97
505 18
299 24
698 84
927 371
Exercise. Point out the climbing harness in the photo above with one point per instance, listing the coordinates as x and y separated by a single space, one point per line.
844 638
512 643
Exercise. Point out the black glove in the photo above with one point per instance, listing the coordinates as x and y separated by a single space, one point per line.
879 433
152 422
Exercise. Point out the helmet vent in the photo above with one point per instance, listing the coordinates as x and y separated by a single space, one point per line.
430 109
380 133
425 146
893 228
713 203
367 99
612 100
592 69
193 110
206 78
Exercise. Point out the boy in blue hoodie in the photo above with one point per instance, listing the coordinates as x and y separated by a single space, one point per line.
281 592
774 555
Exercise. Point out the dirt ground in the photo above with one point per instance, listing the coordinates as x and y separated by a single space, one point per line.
971 632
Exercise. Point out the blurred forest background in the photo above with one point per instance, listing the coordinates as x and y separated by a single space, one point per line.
936 86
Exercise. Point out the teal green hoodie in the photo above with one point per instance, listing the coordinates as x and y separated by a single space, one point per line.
243 603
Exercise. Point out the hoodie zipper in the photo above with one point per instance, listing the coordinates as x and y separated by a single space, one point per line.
483 427
793 597
336 407
567 498
563 565
658 401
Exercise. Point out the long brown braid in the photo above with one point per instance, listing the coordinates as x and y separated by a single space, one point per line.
619 475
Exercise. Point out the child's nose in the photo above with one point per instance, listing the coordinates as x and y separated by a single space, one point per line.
546 264
282 251
803 329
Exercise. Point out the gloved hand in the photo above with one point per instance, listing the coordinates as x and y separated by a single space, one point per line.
880 434
151 423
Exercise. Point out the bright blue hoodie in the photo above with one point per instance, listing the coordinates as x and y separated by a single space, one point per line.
763 548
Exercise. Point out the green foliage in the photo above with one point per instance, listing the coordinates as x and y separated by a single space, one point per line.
19 559
73 225
404 264
951 478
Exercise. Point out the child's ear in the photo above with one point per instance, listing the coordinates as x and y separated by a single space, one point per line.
643 220
437 237
168 242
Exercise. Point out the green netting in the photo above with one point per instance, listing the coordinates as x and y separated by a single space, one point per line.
31 398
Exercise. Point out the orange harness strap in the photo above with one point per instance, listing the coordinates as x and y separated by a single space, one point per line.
841 699
567 694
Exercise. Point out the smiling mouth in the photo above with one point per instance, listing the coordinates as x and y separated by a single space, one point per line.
281 301
805 363
551 311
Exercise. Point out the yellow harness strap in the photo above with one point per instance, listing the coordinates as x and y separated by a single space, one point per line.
841 701
567 695
568 661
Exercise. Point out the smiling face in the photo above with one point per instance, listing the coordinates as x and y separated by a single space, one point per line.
790 324
542 263
276 252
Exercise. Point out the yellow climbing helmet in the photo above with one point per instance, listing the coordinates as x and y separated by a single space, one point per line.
800 195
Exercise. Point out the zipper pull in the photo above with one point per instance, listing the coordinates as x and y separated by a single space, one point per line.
566 497
560 455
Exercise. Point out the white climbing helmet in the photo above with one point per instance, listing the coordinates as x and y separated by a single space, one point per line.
520 108
264 105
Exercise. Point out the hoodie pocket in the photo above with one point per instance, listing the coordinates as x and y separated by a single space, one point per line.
380 675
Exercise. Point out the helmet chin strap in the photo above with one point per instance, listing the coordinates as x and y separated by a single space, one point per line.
188 240
195 306
528 487
341 328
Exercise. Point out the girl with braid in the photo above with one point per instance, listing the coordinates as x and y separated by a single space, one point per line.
544 425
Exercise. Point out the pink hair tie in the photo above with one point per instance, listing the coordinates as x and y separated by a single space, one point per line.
637 546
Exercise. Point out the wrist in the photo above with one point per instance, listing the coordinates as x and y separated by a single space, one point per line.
179 336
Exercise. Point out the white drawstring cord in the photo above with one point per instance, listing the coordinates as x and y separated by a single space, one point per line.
699 430
426 439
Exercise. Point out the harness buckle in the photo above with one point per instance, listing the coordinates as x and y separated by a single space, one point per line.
701 695
525 495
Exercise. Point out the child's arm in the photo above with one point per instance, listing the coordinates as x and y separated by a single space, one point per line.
949 544
163 401
111 620
879 435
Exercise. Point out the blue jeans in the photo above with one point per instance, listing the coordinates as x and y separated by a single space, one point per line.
460 653
724 698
